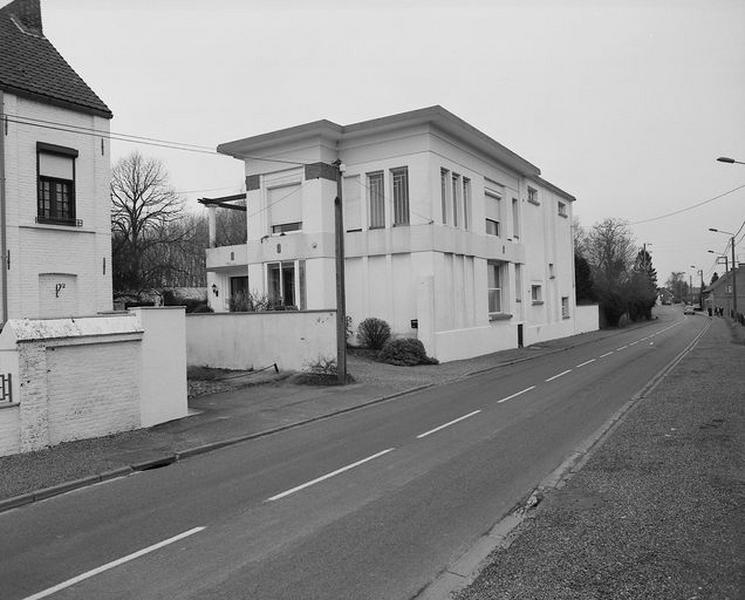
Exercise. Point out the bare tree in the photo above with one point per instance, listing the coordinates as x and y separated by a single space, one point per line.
143 206
610 251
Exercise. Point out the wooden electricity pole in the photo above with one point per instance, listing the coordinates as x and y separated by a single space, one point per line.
341 306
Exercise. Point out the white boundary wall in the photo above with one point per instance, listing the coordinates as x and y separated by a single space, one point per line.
291 339
86 377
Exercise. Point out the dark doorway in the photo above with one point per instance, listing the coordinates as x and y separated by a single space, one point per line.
520 335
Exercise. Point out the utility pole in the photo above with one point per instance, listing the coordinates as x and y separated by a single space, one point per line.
341 305
734 278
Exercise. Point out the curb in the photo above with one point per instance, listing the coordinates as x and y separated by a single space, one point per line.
168 459
467 567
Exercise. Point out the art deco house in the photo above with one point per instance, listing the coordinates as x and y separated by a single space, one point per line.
449 236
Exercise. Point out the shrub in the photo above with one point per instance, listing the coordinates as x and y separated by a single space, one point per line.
373 333
405 352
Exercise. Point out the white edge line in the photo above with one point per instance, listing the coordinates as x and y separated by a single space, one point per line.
634 343
112 564
448 424
621 348
606 354
558 375
515 395
587 362
327 476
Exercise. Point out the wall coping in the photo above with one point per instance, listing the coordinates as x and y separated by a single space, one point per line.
264 312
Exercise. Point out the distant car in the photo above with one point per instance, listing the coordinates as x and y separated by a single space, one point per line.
688 310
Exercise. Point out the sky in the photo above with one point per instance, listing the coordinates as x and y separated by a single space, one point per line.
623 104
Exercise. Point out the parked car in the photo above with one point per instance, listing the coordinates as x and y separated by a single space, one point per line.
688 310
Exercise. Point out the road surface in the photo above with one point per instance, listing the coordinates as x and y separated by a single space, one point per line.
373 503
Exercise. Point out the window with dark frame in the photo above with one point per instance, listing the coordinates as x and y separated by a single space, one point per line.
400 178
377 200
55 166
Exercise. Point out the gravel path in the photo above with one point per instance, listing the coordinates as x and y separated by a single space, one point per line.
659 509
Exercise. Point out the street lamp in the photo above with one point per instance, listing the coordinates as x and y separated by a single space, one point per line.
724 256
734 266
727 159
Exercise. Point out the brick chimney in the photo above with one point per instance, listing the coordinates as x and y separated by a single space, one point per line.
28 14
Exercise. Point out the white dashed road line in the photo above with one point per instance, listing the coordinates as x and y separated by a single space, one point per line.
328 476
558 375
111 565
587 362
606 354
516 394
448 424
621 348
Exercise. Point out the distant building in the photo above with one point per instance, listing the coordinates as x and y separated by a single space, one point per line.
720 293
55 209
450 236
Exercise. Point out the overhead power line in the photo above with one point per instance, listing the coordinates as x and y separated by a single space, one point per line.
132 139
687 208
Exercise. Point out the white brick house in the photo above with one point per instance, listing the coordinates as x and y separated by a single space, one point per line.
450 236
55 210
67 372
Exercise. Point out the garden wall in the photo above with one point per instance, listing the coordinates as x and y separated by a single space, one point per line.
253 340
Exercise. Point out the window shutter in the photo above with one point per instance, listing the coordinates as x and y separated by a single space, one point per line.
285 204
55 165
352 194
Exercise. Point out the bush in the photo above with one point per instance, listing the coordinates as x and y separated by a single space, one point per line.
373 333
405 352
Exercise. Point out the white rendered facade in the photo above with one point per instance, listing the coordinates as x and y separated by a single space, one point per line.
450 237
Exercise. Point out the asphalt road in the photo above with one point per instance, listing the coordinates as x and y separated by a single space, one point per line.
369 504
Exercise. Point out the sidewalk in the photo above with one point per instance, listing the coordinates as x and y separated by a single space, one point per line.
224 418
658 510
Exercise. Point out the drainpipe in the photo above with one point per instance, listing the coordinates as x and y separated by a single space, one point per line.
3 227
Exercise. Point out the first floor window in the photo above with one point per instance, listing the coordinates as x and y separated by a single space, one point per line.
536 294
493 211
562 209
466 203
285 227
518 283
515 219
377 199
565 307
492 227
400 178
444 194
494 287
56 184
533 196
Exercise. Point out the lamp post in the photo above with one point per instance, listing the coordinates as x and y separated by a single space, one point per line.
690 285
727 159
724 256
734 263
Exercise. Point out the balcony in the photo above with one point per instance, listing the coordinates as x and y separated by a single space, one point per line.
224 257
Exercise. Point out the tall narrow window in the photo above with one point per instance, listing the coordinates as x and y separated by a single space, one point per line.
377 200
562 209
444 182
518 283
494 287
515 219
456 198
493 209
352 203
565 307
400 178
533 196
56 184
466 203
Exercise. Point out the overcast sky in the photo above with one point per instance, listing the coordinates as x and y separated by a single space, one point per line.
624 104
